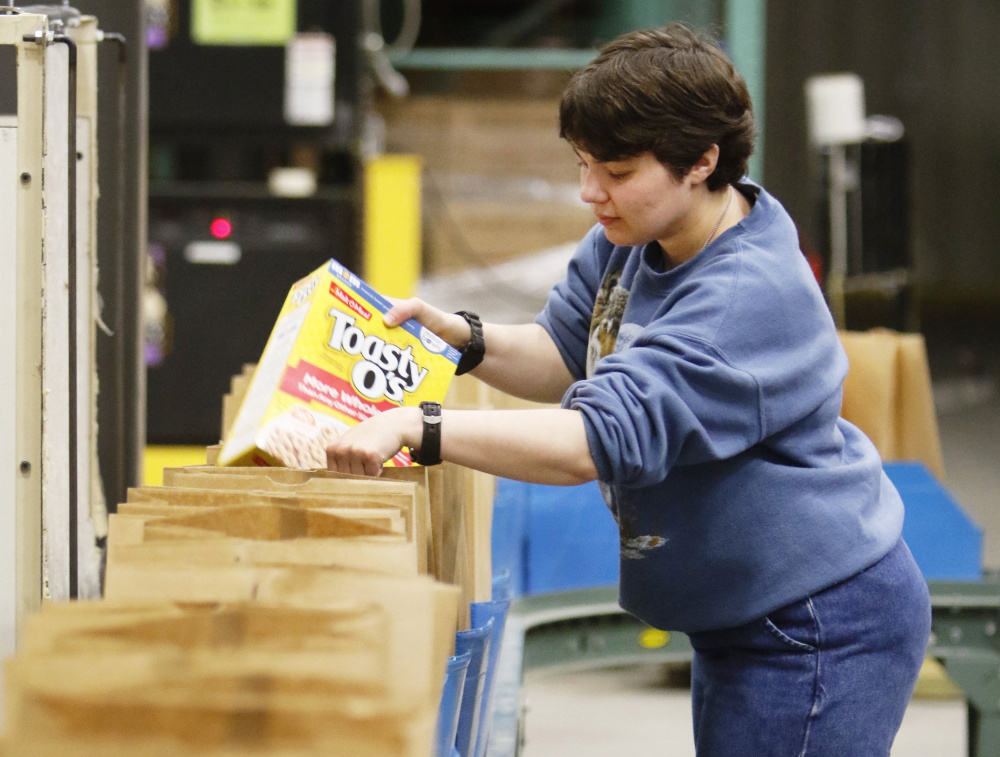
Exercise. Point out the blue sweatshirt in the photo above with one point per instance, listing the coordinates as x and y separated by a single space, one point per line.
711 398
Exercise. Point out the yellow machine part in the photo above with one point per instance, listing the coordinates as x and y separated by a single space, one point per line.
392 228
158 457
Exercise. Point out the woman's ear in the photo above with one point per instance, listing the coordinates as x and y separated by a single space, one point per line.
704 166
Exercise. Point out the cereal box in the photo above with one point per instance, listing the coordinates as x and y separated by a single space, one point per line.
331 363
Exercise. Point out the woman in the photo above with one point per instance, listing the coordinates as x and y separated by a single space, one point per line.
699 374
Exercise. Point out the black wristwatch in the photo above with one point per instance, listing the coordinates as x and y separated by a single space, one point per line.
475 348
430 441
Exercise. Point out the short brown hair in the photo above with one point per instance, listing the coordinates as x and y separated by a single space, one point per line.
668 91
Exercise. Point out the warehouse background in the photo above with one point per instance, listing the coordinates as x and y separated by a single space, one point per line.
205 130
498 184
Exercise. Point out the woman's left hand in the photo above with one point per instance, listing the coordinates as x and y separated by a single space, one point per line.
364 448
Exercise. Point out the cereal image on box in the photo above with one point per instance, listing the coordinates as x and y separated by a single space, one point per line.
329 364
299 437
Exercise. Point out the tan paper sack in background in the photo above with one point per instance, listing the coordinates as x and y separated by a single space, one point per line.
887 394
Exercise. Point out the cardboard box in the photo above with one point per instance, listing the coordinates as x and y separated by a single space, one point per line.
495 137
499 182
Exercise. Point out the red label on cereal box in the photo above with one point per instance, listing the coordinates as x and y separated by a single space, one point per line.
352 303
307 382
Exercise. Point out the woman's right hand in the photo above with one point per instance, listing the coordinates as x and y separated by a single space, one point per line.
521 359
454 329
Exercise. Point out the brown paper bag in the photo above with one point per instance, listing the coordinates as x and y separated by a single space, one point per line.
239 699
411 601
178 476
265 522
234 536
212 453
342 554
203 693
466 392
350 636
314 494
421 611
388 518
424 525
262 522
369 491
467 514
129 551
47 745
887 394
62 626
440 527
292 480
215 498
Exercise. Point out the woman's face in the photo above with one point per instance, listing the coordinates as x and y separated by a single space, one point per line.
636 199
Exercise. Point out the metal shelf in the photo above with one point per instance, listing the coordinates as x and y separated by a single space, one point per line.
492 59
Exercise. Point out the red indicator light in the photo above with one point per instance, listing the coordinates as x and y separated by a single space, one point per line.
221 228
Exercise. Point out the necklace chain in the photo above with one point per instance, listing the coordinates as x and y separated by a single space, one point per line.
719 222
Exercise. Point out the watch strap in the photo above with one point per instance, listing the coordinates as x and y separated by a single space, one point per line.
430 441
475 348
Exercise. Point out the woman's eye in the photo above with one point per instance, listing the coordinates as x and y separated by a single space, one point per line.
618 175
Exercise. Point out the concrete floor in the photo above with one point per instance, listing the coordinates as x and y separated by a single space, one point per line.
628 711
969 424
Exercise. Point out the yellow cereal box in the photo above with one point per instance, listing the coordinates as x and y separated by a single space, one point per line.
331 363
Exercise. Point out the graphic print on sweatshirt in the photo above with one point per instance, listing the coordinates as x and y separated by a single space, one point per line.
608 335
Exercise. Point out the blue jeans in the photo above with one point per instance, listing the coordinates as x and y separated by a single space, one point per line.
827 676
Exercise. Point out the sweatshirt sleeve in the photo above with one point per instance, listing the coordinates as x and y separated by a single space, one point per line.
665 401
570 305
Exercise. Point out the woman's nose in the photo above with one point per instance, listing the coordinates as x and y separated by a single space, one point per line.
590 189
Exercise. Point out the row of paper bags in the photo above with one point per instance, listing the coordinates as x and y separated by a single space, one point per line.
261 611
